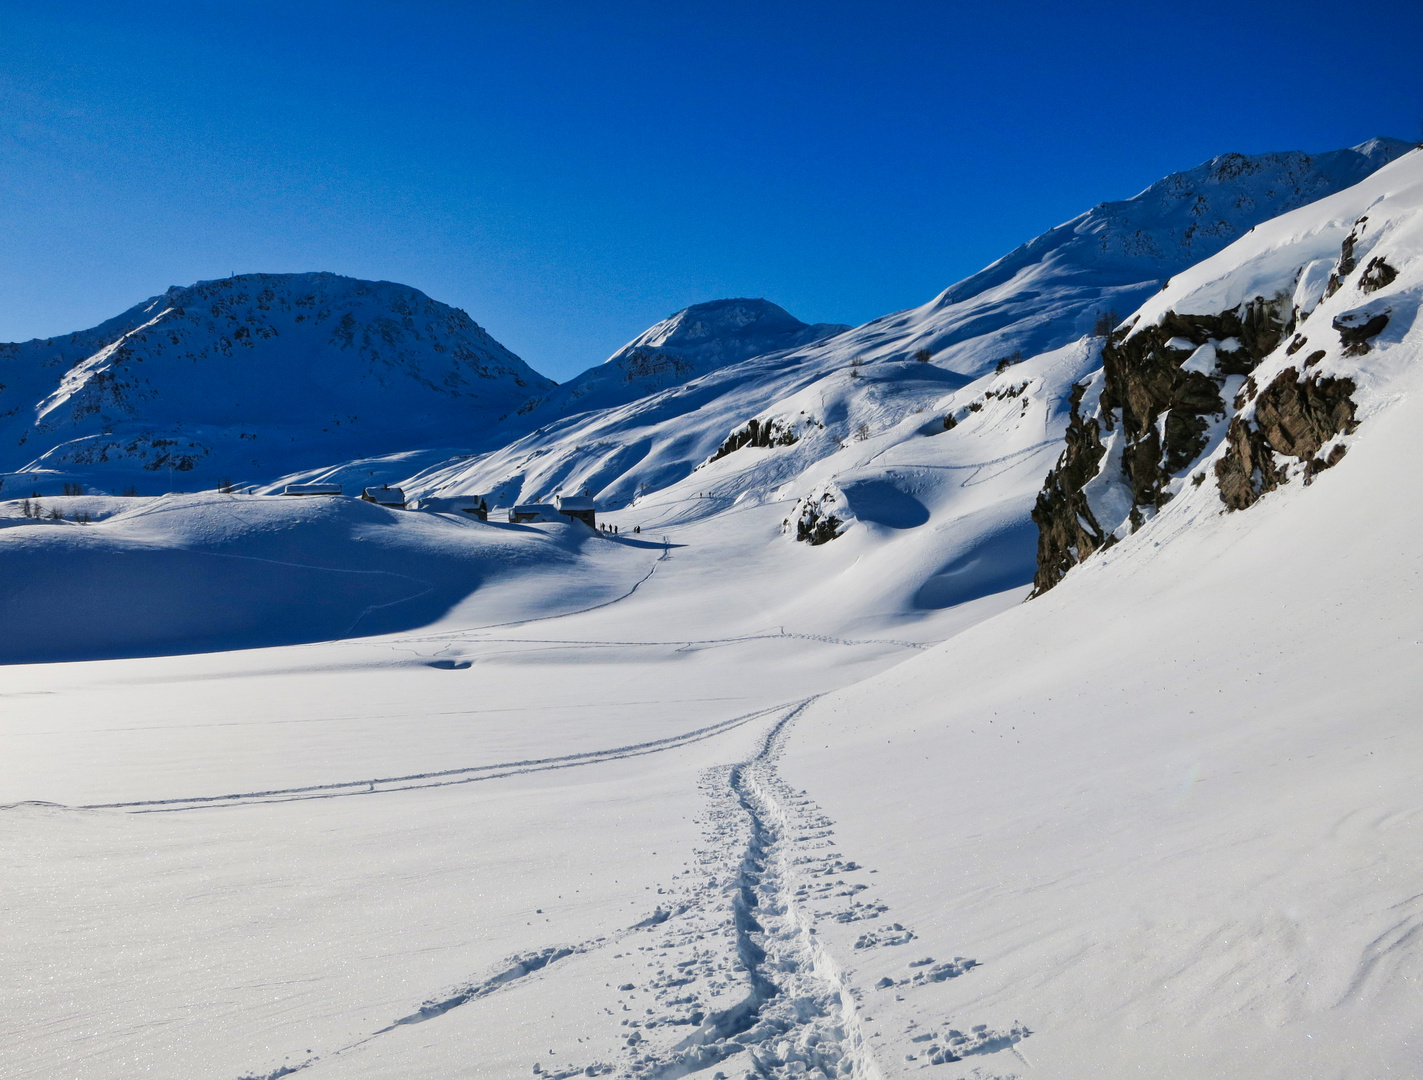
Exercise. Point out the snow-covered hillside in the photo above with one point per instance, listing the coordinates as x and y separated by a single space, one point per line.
248 378
1041 297
790 784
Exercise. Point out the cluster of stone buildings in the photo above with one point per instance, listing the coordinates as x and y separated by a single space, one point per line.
563 507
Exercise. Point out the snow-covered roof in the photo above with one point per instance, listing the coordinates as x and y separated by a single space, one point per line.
386 496
448 503
576 503
312 489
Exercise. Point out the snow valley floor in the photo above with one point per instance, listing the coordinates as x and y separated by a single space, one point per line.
1163 820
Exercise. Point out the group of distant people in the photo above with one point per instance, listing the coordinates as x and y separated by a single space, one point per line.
612 530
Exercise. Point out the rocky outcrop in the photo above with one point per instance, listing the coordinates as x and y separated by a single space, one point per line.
814 520
1356 328
1067 529
1147 381
1293 418
1376 275
763 433
1161 392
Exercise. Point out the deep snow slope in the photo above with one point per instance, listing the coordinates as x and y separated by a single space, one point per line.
1161 821
1041 297
709 799
1171 808
1253 370
247 378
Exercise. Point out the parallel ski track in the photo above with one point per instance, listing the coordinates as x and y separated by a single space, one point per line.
536 962
442 778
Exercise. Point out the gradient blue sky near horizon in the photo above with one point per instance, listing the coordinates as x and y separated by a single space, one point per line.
571 173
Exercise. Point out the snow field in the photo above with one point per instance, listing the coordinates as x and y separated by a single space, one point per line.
703 800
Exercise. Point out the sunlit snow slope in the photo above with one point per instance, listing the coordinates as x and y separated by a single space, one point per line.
1041 297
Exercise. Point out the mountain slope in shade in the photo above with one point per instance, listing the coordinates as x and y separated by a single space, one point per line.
251 376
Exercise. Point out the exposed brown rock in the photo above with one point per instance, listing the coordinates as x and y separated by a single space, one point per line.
1067 531
755 433
1347 262
1144 380
815 524
1355 334
1144 383
1293 418
1376 275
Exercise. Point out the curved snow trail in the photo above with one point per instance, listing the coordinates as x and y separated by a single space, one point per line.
442 778
558 615
821 1011
688 642
793 1014
796 1016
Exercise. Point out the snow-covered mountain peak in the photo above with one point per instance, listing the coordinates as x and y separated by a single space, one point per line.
1183 217
254 375
724 325
691 343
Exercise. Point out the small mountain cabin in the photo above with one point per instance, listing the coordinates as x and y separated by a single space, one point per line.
579 508
524 513
385 496
468 505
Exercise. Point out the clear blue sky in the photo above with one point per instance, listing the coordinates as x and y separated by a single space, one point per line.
569 174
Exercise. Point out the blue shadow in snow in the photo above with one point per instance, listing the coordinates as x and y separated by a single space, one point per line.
1001 560
884 504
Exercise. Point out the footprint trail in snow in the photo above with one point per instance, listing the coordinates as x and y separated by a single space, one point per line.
728 976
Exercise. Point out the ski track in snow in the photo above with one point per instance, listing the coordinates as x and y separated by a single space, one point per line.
442 778
729 973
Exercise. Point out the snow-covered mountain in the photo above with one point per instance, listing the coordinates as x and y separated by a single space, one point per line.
780 427
250 377
791 784
681 347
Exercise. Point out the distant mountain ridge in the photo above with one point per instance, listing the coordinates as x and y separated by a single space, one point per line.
263 377
253 375
690 343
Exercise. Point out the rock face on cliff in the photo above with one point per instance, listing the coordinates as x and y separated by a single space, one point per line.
250 377
1243 374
